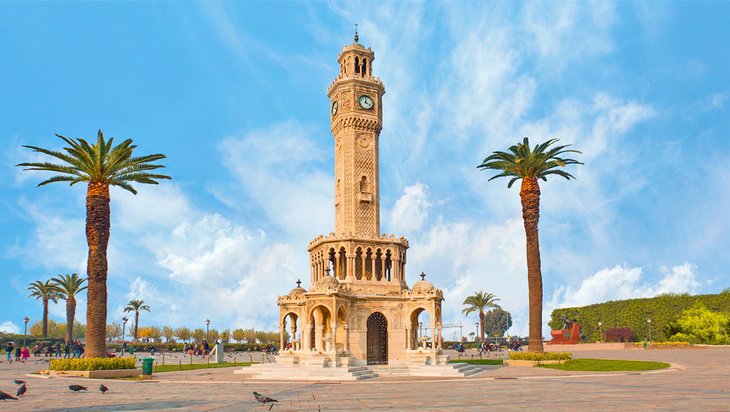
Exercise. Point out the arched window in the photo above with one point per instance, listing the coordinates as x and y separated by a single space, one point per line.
357 65
364 187
364 67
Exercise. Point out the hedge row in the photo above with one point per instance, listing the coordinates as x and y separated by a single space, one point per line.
535 356
634 313
92 364
178 347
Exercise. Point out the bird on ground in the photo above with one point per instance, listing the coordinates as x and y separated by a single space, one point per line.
18 382
4 396
103 389
263 399
77 388
22 390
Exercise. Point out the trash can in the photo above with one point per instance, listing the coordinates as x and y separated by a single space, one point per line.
147 366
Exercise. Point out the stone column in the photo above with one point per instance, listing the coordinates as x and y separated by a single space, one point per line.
347 337
318 332
282 329
408 338
351 267
433 337
333 326
306 337
441 337
373 259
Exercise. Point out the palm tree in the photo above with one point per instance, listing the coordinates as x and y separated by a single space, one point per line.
100 165
479 302
527 164
135 306
68 286
45 292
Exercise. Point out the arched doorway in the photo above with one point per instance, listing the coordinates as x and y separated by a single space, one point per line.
377 339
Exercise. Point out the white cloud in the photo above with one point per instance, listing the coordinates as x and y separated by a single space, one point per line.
622 282
411 209
9 327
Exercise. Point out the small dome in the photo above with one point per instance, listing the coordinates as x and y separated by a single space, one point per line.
326 282
297 291
422 286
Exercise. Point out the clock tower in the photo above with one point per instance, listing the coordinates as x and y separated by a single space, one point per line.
356 118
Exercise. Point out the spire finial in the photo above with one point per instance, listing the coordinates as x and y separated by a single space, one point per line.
423 276
356 36
299 283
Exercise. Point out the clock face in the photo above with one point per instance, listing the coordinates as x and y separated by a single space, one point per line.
334 108
366 102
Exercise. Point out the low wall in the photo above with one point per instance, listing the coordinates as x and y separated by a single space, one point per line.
588 346
103 374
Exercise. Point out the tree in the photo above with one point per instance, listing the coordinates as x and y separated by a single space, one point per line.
136 305
168 333
239 335
45 292
530 165
114 330
496 322
213 335
225 336
479 302
249 335
100 165
144 332
183 333
198 335
68 286
701 325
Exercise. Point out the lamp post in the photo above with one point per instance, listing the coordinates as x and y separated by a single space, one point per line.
124 327
648 322
478 336
25 331
600 335
207 329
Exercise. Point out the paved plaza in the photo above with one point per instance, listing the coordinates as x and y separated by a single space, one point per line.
699 380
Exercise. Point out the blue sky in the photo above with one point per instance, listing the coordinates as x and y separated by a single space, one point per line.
235 95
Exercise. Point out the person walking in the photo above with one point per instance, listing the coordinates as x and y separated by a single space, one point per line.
9 348
26 354
66 350
58 349
17 354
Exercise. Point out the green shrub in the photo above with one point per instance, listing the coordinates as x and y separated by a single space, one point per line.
534 356
663 310
91 364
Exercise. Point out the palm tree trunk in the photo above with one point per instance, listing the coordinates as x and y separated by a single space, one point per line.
70 316
530 197
481 325
136 323
97 237
45 318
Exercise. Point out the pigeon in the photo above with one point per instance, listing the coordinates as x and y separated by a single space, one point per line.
263 399
103 389
22 390
18 382
77 388
4 396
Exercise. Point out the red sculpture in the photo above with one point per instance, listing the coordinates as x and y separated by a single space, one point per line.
568 336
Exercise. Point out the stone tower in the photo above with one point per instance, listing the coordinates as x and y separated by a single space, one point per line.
359 309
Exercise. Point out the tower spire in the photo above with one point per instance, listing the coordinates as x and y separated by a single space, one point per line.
356 36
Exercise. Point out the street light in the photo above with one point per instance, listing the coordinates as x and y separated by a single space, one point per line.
124 327
207 329
25 331
600 335
648 321
477 334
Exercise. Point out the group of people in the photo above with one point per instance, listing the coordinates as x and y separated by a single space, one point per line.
202 349
73 349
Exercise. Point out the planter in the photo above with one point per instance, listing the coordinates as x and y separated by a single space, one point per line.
100 374
529 363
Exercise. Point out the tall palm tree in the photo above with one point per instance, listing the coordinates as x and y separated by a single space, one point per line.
68 286
527 164
479 302
45 292
135 306
100 165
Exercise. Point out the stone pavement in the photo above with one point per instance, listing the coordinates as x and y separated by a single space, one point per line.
699 381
